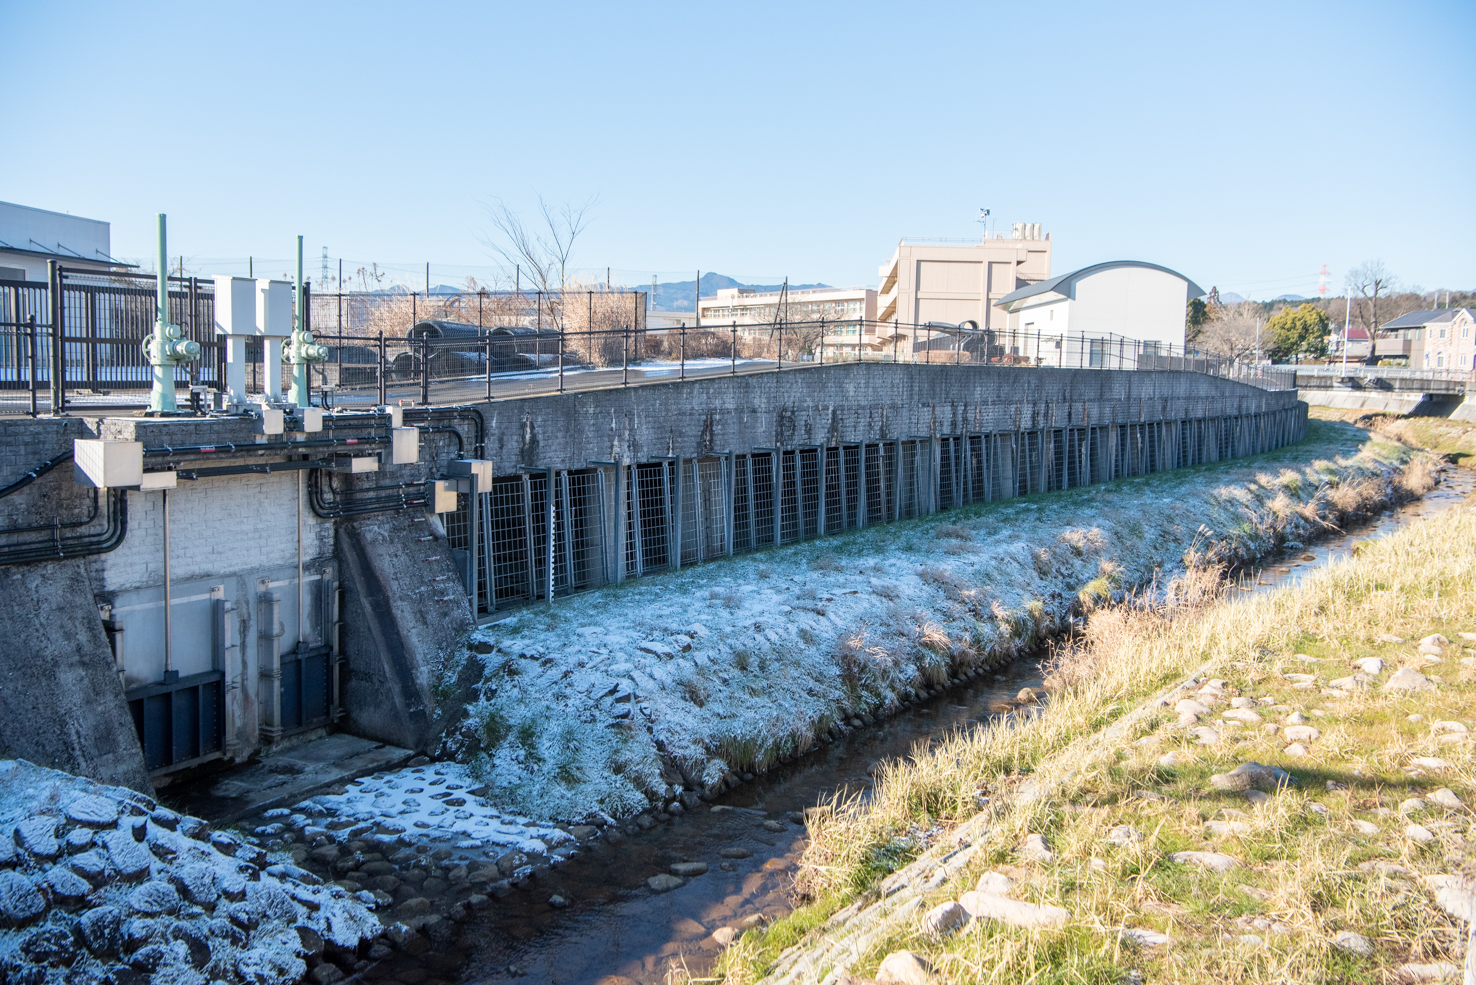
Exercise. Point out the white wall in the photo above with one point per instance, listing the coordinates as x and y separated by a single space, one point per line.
20 225
1136 302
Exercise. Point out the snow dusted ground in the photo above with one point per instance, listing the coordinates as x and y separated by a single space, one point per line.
99 884
618 700
440 802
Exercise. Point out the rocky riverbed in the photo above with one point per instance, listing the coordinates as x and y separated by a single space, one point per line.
100 884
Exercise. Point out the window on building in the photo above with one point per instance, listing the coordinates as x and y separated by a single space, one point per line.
1440 360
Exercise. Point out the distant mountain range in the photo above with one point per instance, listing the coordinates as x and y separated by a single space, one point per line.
676 295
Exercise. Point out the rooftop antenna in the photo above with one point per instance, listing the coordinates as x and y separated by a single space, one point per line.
1322 282
984 218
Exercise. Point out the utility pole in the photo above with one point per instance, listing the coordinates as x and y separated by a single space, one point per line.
1258 347
1347 315
697 300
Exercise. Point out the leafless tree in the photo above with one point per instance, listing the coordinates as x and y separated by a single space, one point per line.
1230 329
1370 279
542 251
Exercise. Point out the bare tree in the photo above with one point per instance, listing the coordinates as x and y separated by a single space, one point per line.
1371 279
543 252
1230 329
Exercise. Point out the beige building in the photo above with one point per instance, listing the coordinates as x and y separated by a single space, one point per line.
955 282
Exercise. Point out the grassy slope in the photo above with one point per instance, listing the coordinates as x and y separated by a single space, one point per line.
1304 864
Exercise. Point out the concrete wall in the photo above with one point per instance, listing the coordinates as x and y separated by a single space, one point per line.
405 608
61 702
844 403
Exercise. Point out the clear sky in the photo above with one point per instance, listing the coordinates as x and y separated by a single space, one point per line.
1244 144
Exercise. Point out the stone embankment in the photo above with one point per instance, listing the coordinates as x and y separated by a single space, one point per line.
100 884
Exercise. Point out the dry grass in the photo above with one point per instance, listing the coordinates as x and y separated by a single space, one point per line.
1078 770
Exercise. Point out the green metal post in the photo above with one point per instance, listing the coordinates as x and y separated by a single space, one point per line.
166 348
302 351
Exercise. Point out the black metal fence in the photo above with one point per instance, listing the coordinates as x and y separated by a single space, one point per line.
76 342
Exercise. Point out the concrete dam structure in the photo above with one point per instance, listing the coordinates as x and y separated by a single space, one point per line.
249 584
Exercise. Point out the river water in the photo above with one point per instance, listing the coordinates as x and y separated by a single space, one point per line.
612 929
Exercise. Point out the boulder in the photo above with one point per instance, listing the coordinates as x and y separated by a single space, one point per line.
37 837
20 900
689 868
1455 895
94 812
1016 913
1430 763
1242 715
943 918
99 930
1189 706
1419 833
1124 834
665 883
1301 733
994 884
1446 798
1213 861
1353 943
904 968
1251 775
1037 849
1408 680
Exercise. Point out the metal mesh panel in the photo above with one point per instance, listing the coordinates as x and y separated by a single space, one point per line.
871 493
651 496
837 516
577 532
507 538
978 469
789 526
946 472
763 499
691 537
711 505
889 468
742 503
907 488
808 460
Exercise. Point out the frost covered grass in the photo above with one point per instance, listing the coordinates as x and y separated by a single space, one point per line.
618 700
1346 866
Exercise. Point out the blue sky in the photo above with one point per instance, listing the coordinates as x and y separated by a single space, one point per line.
1243 144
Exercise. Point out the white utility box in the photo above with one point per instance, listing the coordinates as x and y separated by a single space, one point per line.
356 463
159 480
107 464
309 419
443 496
404 446
272 421
396 414
479 469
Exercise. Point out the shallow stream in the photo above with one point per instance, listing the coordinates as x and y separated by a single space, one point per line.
612 929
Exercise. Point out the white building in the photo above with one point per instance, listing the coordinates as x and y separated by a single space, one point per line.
749 307
1127 298
30 237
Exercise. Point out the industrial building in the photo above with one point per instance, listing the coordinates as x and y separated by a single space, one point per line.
1126 298
31 237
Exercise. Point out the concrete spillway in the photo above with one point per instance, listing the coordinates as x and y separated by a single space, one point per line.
306 595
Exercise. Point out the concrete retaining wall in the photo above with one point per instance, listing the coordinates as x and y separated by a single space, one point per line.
61 701
844 403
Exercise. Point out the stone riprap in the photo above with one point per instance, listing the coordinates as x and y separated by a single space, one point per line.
99 884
